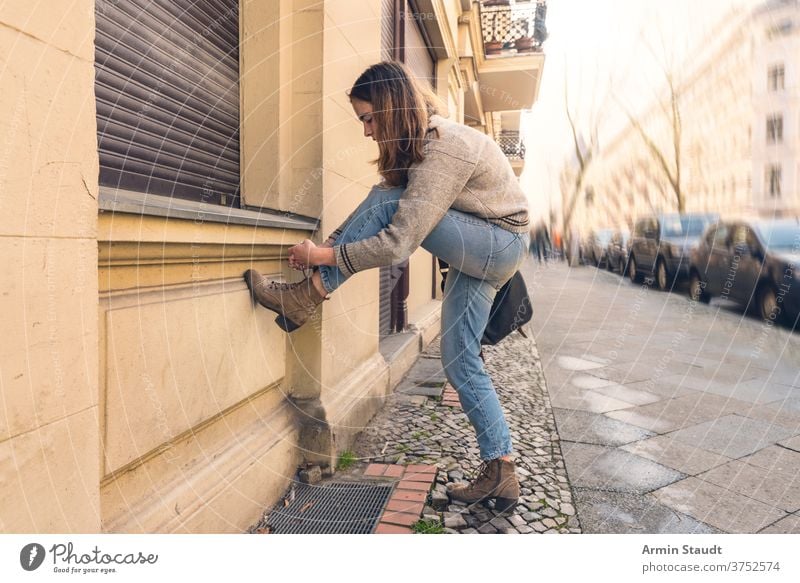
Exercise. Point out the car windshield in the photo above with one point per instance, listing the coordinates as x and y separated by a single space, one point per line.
685 226
781 237
604 237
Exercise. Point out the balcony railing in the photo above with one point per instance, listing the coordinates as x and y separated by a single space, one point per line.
512 146
511 28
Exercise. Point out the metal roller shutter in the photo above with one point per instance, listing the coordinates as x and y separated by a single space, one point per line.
167 89
418 55
387 29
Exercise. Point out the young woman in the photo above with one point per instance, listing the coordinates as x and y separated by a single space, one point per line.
450 189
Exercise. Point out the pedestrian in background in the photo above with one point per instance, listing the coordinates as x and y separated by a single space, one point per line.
449 189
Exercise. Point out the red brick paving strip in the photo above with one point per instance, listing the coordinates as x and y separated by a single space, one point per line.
450 397
394 471
400 518
409 506
420 469
412 495
409 485
426 478
376 469
384 528
408 499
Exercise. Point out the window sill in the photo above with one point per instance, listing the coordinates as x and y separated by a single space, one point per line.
127 202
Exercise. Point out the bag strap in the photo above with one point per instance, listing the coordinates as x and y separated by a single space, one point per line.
444 268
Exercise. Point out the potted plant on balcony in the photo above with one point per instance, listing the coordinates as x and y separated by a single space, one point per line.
495 25
493 47
525 44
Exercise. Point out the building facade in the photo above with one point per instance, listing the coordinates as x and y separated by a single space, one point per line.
148 159
738 100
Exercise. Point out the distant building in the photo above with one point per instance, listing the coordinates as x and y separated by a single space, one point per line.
739 107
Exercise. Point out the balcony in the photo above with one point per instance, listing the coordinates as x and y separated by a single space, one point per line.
505 129
509 57
511 30
512 146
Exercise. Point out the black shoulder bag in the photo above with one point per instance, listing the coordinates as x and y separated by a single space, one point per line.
511 309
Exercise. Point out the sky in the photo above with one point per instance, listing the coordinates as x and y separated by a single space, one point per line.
604 48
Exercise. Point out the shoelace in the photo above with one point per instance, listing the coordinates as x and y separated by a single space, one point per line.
279 286
483 471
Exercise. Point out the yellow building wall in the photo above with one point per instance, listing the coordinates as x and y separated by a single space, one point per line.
353 376
198 433
49 459
419 294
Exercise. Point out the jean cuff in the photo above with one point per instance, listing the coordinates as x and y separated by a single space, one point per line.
500 453
323 277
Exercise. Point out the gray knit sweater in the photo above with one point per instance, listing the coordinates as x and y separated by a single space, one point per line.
463 169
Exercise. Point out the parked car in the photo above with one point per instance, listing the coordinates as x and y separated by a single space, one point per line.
755 263
618 251
596 247
661 244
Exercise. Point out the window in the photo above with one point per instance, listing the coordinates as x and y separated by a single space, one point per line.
773 178
167 90
775 129
775 77
720 236
740 235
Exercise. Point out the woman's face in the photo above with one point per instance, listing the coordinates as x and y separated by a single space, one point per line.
363 111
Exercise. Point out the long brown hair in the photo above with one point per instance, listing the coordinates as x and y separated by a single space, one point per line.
401 109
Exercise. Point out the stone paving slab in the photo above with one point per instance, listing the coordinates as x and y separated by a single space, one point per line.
644 368
577 364
682 457
754 390
792 443
662 389
682 412
426 371
777 413
621 513
407 387
775 457
585 381
718 507
732 436
778 488
604 468
586 400
585 427
630 395
788 525
790 405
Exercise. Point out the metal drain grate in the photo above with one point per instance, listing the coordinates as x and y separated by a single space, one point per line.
333 508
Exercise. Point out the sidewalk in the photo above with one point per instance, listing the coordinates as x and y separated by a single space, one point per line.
423 424
675 417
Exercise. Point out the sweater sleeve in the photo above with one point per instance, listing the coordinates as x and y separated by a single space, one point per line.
433 185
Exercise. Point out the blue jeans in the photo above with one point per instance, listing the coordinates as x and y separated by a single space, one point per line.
482 257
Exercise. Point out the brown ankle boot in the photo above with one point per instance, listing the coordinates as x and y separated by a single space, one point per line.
496 479
293 302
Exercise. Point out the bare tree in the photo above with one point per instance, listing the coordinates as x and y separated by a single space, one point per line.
668 157
668 162
574 179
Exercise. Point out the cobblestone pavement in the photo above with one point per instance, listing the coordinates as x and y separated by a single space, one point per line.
422 428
